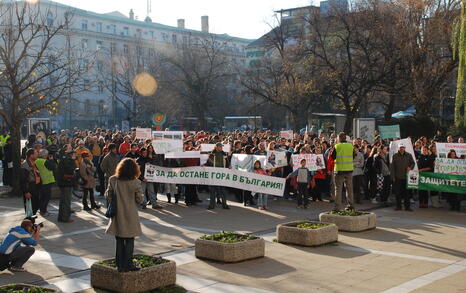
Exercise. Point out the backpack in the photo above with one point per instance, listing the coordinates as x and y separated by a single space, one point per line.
78 178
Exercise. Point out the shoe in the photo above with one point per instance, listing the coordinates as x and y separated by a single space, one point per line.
157 207
349 208
260 208
17 270
72 211
331 200
95 207
305 207
408 210
143 206
265 208
374 201
218 201
87 209
299 206
69 221
225 207
397 209
319 199
210 207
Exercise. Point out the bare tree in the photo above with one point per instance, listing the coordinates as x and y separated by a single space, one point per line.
34 73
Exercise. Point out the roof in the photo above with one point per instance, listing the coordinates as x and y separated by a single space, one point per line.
119 17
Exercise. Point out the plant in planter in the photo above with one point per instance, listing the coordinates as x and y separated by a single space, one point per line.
307 233
155 272
351 221
20 288
229 247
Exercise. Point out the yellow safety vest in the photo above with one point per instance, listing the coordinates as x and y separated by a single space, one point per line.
344 160
46 176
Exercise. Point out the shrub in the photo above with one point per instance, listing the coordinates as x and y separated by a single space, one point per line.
228 237
351 213
309 225
140 261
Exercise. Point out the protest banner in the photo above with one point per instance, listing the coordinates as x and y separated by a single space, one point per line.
364 128
436 182
444 148
143 133
208 147
243 162
167 135
408 148
276 159
313 162
450 166
164 146
389 131
183 155
217 177
287 134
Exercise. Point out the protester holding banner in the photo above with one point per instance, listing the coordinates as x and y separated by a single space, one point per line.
261 197
402 162
453 199
218 159
425 163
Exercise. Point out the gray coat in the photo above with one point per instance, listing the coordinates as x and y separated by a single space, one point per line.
129 194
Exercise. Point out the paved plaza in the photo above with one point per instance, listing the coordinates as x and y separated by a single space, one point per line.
420 251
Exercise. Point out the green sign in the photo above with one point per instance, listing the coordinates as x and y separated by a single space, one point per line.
436 182
389 131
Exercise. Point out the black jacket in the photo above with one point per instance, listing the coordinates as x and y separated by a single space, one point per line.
65 171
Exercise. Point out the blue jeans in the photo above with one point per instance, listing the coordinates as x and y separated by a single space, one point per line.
262 199
149 190
217 191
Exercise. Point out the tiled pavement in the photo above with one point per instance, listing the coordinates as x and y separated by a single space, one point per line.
422 251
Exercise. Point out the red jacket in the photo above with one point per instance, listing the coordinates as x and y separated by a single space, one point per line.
329 161
124 148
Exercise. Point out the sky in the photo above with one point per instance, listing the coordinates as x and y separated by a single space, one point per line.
240 18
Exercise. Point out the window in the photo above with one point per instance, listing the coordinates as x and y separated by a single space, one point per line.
165 37
151 52
113 29
185 40
100 65
98 27
125 49
84 44
152 36
126 31
84 24
174 37
99 45
139 33
113 49
50 18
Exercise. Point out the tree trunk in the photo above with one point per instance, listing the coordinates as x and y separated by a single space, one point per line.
349 122
389 110
423 109
16 149
295 120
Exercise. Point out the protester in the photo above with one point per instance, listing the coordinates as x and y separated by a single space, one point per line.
147 187
65 180
16 247
218 159
46 166
125 226
382 171
304 178
261 197
425 163
87 172
110 162
30 181
343 156
402 162
358 174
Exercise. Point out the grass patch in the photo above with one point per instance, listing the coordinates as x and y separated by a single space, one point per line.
16 288
351 213
169 289
140 261
309 225
228 237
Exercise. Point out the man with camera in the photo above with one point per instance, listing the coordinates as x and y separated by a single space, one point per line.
13 255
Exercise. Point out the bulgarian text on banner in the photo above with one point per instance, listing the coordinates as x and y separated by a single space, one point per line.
436 182
450 166
444 148
217 177
313 162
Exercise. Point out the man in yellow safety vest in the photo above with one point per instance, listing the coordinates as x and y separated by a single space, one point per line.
46 165
343 156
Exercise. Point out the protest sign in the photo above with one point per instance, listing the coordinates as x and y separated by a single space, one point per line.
164 146
288 134
167 135
436 182
444 148
389 131
276 159
183 155
408 148
204 158
243 162
217 177
208 147
143 133
313 162
364 128
450 166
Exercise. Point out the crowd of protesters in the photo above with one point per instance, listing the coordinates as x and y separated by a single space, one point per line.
353 167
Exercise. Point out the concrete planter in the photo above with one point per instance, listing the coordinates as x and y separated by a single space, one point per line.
350 223
290 233
25 287
146 279
230 252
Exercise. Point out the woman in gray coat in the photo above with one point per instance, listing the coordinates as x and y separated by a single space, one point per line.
87 171
125 225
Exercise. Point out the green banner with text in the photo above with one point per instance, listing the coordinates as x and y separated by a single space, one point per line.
436 182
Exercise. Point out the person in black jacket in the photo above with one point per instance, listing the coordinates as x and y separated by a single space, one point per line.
147 187
8 162
65 181
425 163
382 170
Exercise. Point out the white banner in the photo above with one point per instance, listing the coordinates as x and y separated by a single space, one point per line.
243 162
444 148
313 162
184 155
276 159
143 133
288 134
408 148
450 166
364 128
217 177
208 147
167 135
164 146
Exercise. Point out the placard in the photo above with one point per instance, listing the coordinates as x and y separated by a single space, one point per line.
163 146
143 133
287 134
436 182
243 162
209 147
389 131
450 166
313 162
444 148
276 159
167 135
408 148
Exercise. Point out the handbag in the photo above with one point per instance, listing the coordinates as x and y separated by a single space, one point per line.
112 207
29 207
